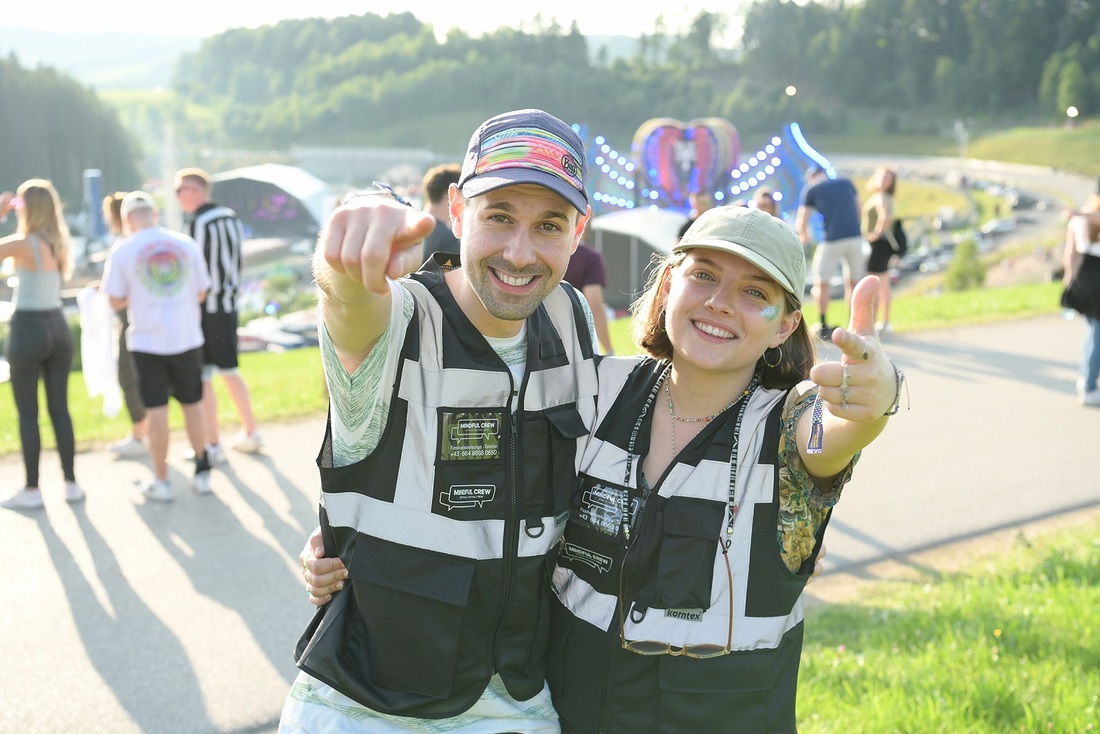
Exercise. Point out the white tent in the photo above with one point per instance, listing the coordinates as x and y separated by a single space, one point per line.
275 200
628 240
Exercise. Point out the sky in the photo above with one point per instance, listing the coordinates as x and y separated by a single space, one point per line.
208 17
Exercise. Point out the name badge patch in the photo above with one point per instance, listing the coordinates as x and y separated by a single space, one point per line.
596 560
467 495
470 436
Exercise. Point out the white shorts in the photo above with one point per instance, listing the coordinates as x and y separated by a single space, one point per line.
313 707
847 252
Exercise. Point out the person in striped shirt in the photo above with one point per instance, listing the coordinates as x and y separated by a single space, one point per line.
220 235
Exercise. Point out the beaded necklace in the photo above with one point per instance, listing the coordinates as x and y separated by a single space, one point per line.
705 419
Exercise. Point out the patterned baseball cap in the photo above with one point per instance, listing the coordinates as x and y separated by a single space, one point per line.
526 147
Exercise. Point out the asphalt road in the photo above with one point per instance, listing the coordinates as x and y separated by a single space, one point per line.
119 616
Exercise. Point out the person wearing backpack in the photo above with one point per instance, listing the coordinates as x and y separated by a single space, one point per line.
879 229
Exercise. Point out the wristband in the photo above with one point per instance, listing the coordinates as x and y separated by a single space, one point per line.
899 376
380 189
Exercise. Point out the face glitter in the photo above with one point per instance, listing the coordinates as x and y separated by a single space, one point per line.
771 313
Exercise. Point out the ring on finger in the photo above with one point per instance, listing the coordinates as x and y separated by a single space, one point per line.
845 378
864 355
844 394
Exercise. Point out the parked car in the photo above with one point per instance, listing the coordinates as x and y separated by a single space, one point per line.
999 226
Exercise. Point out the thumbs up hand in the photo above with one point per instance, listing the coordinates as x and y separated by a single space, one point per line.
860 386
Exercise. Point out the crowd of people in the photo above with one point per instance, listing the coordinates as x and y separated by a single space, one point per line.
520 531
176 299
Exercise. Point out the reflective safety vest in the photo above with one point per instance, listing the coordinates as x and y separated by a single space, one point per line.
447 527
652 567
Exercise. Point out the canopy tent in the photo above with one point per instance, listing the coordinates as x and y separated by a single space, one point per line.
628 240
275 200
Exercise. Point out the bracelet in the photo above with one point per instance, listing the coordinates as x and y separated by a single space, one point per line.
899 376
380 189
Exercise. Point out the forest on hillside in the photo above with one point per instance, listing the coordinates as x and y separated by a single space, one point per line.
386 80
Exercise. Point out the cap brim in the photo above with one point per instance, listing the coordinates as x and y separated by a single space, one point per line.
745 254
498 179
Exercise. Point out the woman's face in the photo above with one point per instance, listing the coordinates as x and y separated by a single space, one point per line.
723 312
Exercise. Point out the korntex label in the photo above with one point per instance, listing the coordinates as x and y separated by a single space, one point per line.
470 435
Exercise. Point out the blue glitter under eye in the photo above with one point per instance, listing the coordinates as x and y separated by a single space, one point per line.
771 313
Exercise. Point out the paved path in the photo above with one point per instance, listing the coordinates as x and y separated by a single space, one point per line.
119 616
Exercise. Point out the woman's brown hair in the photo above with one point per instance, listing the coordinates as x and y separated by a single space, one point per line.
797 354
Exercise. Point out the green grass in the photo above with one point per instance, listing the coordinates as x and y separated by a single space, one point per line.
1007 646
283 386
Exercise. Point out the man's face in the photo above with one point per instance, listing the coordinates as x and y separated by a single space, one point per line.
191 195
516 243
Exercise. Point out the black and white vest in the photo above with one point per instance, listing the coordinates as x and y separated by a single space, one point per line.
671 575
447 527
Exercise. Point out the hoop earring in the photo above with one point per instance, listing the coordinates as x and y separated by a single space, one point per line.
777 361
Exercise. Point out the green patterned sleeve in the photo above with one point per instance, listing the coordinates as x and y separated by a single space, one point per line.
359 401
803 505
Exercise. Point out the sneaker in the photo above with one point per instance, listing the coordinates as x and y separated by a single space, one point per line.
825 332
73 493
159 490
1091 398
201 482
24 499
215 454
884 329
1079 386
250 443
128 446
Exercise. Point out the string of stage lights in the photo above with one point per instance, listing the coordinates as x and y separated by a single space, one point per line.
781 162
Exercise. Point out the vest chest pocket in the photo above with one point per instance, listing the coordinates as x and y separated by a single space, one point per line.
548 463
412 605
689 542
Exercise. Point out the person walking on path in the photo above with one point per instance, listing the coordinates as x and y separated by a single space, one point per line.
1081 280
838 203
39 343
160 278
458 398
220 235
878 224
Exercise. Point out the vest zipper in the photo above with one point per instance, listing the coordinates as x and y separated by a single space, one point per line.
511 533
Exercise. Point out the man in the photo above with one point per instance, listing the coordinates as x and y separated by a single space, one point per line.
587 273
436 186
220 235
160 279
457 398
700 201
838 202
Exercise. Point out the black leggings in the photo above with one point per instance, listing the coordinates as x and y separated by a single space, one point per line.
41 346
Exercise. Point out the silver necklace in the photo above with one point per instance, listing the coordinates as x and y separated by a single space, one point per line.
705 419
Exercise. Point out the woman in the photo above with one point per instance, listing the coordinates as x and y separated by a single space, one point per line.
135 443
684 560
681 572
1081 268
878 221
39 342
